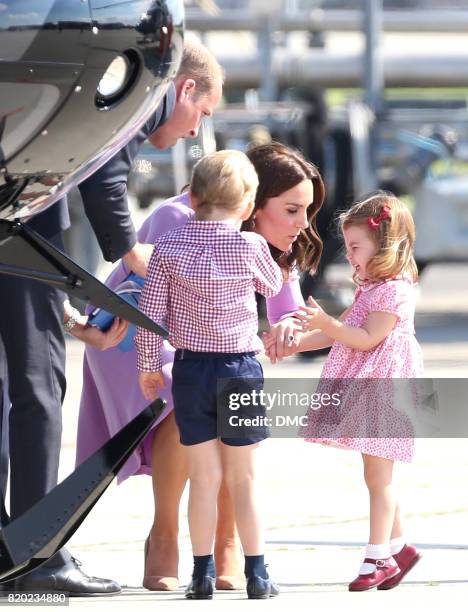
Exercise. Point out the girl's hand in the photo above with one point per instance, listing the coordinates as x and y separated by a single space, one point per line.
268 340
283 339
150 382
270 346
311 316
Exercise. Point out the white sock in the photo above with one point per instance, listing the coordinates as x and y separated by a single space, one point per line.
374 551
397 545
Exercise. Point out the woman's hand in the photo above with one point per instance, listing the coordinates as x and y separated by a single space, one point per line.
282 339
98 339
150 382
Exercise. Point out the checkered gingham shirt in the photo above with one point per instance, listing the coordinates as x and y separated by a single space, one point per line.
201 282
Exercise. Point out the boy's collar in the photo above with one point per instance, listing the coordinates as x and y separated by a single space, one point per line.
236 223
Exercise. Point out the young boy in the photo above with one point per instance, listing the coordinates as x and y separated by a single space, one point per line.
202 279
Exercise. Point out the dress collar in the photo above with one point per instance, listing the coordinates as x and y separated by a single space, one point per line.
368 285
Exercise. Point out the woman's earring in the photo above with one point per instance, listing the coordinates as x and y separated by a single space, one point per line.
253 222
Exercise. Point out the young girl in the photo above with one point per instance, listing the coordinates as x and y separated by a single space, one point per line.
373 341
202 278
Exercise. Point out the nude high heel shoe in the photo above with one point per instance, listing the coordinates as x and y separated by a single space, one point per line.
230 583
157 583
229 558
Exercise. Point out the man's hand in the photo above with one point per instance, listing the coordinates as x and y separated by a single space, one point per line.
150 382
138 258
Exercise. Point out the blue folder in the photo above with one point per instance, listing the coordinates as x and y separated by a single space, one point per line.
129 290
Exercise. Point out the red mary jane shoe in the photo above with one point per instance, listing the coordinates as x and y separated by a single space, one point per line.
406 560
384 570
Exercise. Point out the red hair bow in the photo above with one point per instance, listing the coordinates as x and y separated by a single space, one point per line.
374 222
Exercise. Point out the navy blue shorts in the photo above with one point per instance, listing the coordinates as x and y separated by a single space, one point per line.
211 394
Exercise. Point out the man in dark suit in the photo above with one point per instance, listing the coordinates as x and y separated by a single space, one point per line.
31 319
32 315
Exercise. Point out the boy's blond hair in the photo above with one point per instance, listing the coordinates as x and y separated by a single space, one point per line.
394 237
224 179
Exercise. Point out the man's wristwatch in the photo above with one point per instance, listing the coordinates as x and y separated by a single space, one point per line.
72 320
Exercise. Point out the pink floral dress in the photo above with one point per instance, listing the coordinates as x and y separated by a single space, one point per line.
371 415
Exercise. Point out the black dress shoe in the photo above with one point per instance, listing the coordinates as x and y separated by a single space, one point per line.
200 588
261 588
68 579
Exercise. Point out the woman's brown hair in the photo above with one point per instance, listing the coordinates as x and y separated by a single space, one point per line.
279 169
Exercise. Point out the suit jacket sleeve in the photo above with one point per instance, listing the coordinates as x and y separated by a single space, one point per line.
105 192
105 202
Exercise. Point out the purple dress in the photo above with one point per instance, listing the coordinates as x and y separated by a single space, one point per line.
111 396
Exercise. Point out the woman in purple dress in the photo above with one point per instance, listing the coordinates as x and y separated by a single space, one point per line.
289 196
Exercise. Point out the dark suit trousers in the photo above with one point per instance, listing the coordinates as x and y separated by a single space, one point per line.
31 315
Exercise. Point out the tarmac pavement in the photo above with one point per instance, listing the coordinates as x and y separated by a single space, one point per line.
313 498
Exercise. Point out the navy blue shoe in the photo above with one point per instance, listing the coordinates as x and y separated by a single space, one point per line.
200 588
261 588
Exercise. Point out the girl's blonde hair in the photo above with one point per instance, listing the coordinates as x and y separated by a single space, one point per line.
389 223
224 179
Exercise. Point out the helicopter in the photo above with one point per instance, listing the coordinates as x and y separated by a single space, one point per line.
77 81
